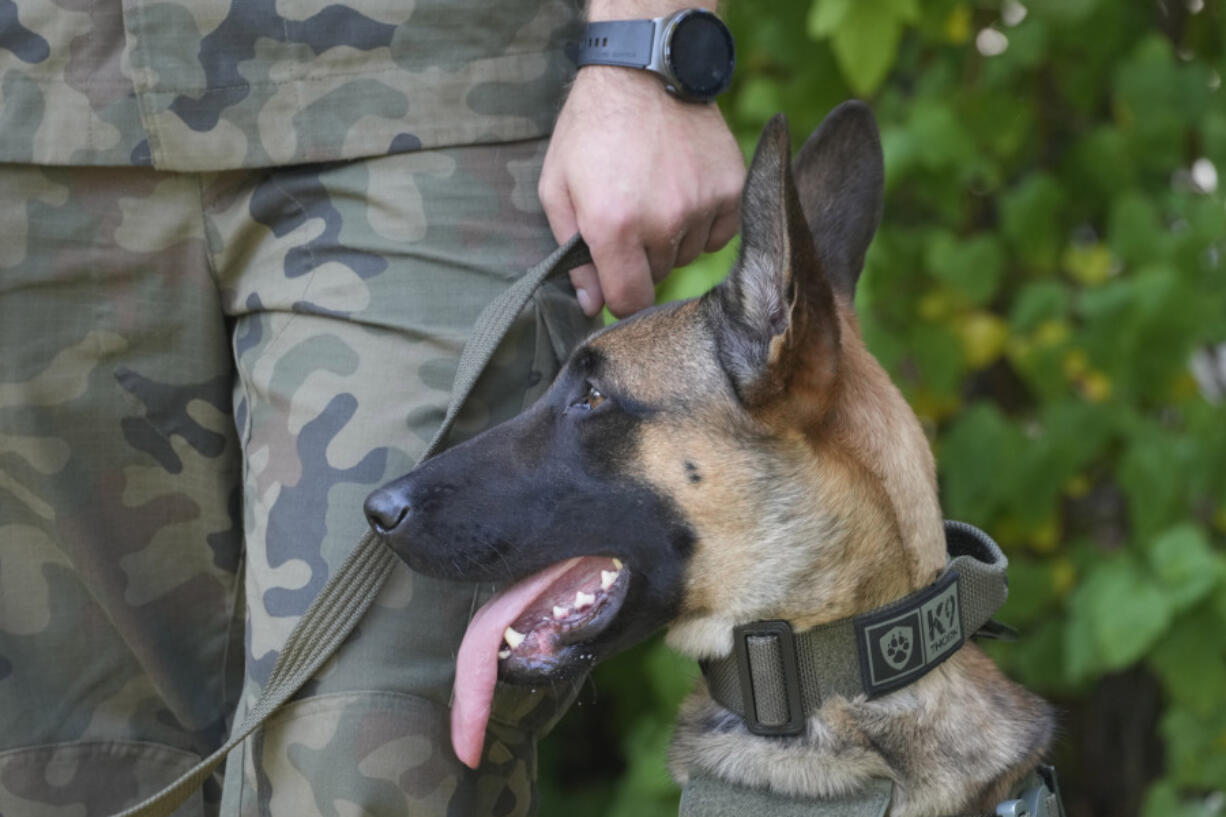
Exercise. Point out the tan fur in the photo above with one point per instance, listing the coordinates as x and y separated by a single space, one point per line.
812 495
839 520
955 742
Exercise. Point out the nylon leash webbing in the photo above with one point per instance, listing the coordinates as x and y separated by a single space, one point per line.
345 598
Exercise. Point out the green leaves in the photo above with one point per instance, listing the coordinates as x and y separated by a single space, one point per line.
971 266
1068 11
1156 98
1044 273
1117 615
1163 800
863 34
1185 566
1031 218
1126 605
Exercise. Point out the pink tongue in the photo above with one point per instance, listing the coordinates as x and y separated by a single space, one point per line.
476 664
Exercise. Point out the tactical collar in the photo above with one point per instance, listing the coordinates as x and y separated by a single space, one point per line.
775 678
1037 795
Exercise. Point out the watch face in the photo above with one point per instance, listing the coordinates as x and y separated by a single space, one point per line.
700 54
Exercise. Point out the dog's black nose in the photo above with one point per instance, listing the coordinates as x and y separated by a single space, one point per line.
385 510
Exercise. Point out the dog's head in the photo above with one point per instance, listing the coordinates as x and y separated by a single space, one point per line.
706 463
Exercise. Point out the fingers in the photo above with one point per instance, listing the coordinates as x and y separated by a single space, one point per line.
627 265
587 289
625 275
662 254
723 229
694 242
631 252
648 192
563 223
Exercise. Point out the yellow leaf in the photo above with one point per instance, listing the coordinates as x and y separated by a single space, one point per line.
1077 487
983 338
1008 532
1046 537
933 306
1096 387
1051 333
931 407
1063 576
1184 387
1076 364
1019 349
957 28
1090 265
1219 519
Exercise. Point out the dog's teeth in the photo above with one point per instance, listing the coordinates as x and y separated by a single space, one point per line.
607 577
617 564
584 600
512 637
560 612
503 654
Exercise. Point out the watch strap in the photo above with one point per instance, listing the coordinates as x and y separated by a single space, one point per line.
617 42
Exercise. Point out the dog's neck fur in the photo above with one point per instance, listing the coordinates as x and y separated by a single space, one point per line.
870 445
870 421
954 741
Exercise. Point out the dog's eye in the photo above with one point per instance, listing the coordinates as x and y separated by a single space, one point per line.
590 399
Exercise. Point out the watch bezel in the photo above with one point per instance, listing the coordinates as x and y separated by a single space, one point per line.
665 35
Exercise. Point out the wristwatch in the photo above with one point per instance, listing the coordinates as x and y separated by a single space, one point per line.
691 51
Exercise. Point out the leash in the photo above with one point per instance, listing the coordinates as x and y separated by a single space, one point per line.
1037 795
343 601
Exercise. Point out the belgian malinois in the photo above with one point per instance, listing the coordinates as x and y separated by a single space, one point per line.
722 460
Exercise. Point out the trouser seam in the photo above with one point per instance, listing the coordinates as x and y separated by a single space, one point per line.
236 618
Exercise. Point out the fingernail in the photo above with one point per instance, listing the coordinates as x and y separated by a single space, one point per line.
585 301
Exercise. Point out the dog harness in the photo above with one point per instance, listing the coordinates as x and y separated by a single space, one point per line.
775 679
1037 795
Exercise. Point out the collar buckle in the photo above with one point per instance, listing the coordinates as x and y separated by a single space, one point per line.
765 653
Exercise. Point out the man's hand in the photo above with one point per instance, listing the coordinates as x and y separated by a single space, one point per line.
651 182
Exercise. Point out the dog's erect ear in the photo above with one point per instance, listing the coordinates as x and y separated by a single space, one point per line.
778 329
840 177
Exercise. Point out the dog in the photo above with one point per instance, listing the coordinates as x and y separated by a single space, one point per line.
722 460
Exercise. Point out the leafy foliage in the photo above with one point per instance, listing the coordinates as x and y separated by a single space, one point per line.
1048 290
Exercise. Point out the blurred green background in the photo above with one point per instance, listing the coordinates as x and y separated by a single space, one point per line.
1048 289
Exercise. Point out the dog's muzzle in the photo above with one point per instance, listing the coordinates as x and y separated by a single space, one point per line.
386 510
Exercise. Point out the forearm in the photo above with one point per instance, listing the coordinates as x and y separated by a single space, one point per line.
648 179
640 9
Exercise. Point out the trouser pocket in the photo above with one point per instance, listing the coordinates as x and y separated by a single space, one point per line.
91 779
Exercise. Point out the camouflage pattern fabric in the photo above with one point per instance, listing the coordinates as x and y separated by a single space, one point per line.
203 377
196 85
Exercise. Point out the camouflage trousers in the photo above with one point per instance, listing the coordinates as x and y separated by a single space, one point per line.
202 377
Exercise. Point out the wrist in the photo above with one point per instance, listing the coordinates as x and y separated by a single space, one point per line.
598 10
690 50
628 90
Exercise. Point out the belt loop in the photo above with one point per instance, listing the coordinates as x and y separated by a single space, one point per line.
765 653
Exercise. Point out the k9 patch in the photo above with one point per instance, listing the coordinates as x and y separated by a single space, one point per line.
903 642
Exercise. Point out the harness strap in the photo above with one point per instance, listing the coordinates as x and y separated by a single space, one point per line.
708 797
1037 795
774 678
343 601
